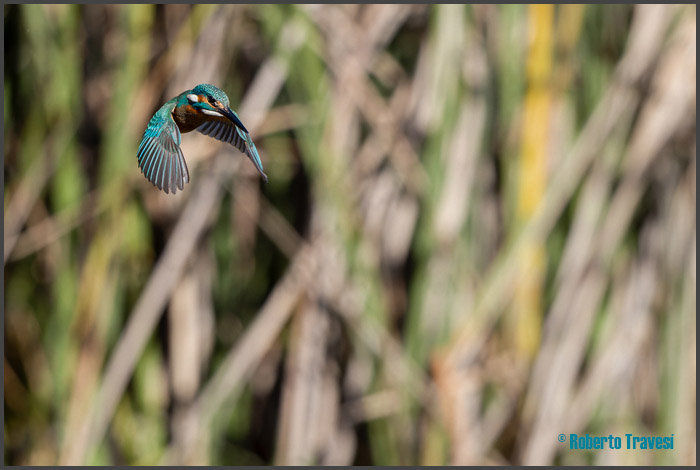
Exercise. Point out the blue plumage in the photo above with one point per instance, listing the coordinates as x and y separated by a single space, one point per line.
204 108
230 133
160 157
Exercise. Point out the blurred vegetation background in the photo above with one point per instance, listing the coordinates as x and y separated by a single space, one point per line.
479 232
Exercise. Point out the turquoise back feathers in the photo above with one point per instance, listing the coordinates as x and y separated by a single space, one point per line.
206 109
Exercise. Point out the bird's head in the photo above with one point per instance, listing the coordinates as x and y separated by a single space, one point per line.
212 101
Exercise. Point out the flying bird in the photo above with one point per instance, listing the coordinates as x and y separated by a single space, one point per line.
205 109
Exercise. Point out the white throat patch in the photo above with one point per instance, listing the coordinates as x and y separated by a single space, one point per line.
211 113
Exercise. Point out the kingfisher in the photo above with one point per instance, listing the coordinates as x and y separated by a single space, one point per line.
206 109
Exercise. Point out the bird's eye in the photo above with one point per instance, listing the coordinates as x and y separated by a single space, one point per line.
211 100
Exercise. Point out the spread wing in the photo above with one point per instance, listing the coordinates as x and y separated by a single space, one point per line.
228 132
160 158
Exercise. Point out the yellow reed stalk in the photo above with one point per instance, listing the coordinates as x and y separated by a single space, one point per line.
525 319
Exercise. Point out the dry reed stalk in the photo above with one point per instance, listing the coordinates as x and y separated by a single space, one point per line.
617 100
241 360
300 422
26 195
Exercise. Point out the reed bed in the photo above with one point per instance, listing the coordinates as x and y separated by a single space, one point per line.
479 233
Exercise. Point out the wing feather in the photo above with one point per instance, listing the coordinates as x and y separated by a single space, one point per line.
160 157
231 134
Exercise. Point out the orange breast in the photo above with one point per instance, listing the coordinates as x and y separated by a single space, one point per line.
188 118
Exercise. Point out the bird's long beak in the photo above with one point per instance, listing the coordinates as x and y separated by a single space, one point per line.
232 116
